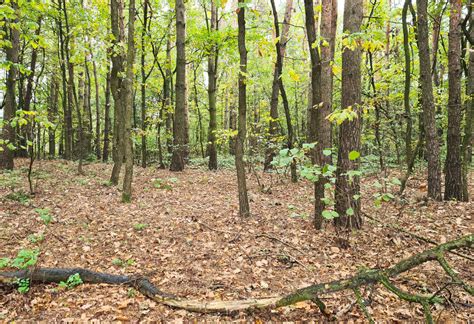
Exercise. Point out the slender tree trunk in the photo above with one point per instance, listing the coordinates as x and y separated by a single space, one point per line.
52 114
244 208
128 89
348 187
167 92
427 103
453 180
116 86
67 112
180 115
143 85
278 87
328 35
12 56
406 92
467 139
87 111
105 153
232 123
97 111
211 91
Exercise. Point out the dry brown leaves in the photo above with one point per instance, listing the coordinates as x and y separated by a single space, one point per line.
191 242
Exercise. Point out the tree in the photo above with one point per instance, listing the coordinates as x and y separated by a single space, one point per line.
128 89
12 48
244 208
279 88
453 179
180 127
323 136
347 181
427 102
212 61
116 85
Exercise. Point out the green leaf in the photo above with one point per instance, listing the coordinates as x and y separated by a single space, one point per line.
350 212
354 155
327 152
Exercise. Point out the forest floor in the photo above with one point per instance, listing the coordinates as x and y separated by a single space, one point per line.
182 230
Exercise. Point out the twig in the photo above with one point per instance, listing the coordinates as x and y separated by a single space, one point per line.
271 237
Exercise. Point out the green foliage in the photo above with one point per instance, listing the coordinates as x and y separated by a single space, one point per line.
23 285
123 263
71 282
24 259
140 226
44 214
36 238
19 196
159 183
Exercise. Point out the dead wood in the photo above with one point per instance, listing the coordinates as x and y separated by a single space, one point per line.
310 293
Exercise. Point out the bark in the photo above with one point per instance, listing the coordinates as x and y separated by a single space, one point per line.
97 111
212 88
168 97
466 149
67 113
116 86
180 127
128 91
12 56
244 208
406 92
278 87
232 123
52 114
453 188
348 188
26 132
87 111
143 85
365 277
327 46
427 103
105 153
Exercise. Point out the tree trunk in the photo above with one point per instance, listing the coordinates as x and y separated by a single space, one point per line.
52 113
328 35
453 179
116 86
105 153
143 85
406 92
12 55
97 111
467 139
180 115
67 113
244 208
211 90
427 103
347 187
278 87
128 90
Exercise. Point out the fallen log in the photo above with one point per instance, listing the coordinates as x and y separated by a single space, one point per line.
311 293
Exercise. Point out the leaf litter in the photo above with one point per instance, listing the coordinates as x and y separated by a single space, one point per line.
187 237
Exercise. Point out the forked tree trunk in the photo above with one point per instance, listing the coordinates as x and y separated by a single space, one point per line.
244 208
180 128
453 180
427 103
347 187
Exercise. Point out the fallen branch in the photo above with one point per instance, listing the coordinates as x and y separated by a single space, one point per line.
311 293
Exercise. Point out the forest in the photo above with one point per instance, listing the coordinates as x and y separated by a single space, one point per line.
236 160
